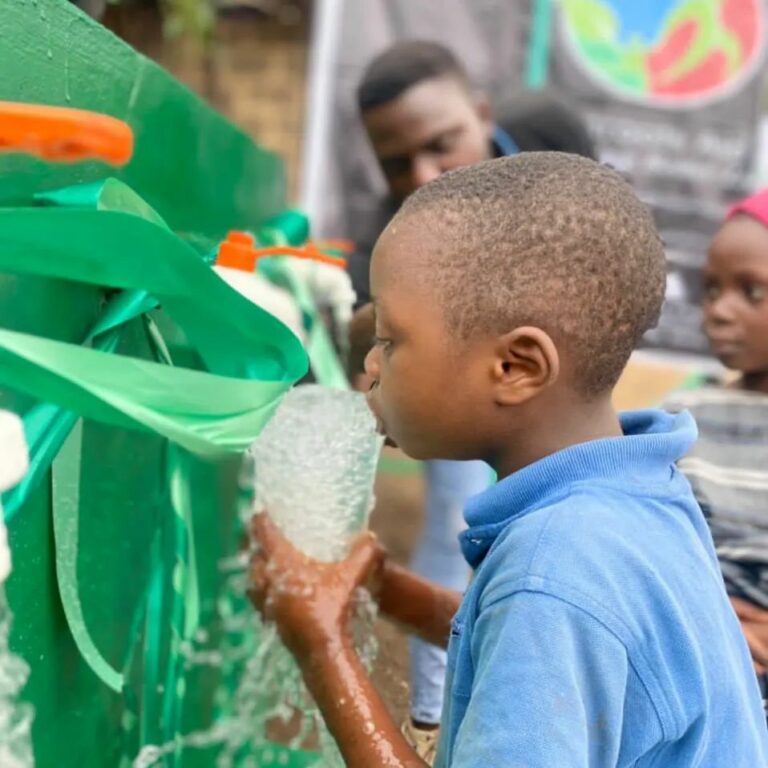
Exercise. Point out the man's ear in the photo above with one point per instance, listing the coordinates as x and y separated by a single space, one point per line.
526 362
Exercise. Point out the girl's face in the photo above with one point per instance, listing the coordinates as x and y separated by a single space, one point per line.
736 295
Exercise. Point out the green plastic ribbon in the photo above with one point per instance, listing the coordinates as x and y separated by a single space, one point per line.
47 425
108 236
289 227
149 719
66 491
185 600
252 356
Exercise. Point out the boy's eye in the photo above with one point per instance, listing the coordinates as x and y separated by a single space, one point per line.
385 344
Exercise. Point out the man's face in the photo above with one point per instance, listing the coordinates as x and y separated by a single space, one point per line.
433 127
736 295
431 391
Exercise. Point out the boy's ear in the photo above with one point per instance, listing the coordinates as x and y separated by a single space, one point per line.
526 363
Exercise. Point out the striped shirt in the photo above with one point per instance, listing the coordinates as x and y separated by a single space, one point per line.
728 469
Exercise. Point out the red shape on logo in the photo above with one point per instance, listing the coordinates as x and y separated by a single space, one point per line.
708 75
670 50
742 18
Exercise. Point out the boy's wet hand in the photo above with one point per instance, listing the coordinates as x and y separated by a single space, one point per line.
309 600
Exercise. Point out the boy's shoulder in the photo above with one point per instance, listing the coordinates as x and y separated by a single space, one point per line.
639 568
594 548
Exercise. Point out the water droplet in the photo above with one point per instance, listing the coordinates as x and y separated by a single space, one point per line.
368 728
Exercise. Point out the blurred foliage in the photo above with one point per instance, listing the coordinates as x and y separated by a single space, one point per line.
188 17
193 18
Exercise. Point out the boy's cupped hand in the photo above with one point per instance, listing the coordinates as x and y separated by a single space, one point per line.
309 600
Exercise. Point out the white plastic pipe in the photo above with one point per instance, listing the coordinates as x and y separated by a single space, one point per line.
324 46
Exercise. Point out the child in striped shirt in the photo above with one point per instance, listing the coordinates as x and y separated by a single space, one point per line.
728 466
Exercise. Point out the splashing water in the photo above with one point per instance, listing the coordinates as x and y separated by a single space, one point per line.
15 716
315 463
313 468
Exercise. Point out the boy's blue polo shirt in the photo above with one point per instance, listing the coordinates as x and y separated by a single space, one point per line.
596 630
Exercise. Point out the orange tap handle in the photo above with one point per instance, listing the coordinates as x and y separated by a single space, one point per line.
64 135
238 252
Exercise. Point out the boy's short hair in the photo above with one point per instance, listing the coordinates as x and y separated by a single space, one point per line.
546 239
401 67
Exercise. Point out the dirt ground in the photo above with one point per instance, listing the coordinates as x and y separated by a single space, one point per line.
397 520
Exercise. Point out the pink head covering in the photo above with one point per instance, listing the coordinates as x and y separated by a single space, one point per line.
755 206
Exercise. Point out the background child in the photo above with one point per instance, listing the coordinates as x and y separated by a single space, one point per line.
728 466
509 296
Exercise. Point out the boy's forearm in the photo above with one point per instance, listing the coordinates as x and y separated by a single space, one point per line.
366 735
423 608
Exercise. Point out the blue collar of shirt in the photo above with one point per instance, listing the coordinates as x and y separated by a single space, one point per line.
503 143
652 442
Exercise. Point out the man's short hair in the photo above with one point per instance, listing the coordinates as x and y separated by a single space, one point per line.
401 67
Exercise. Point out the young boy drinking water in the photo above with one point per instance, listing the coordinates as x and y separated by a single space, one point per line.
596 630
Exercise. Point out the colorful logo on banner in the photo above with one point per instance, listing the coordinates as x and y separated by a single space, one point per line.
667 52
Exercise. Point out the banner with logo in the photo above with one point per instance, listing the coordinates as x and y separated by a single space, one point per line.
671 93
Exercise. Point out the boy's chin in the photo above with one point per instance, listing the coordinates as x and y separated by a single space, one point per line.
415 450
